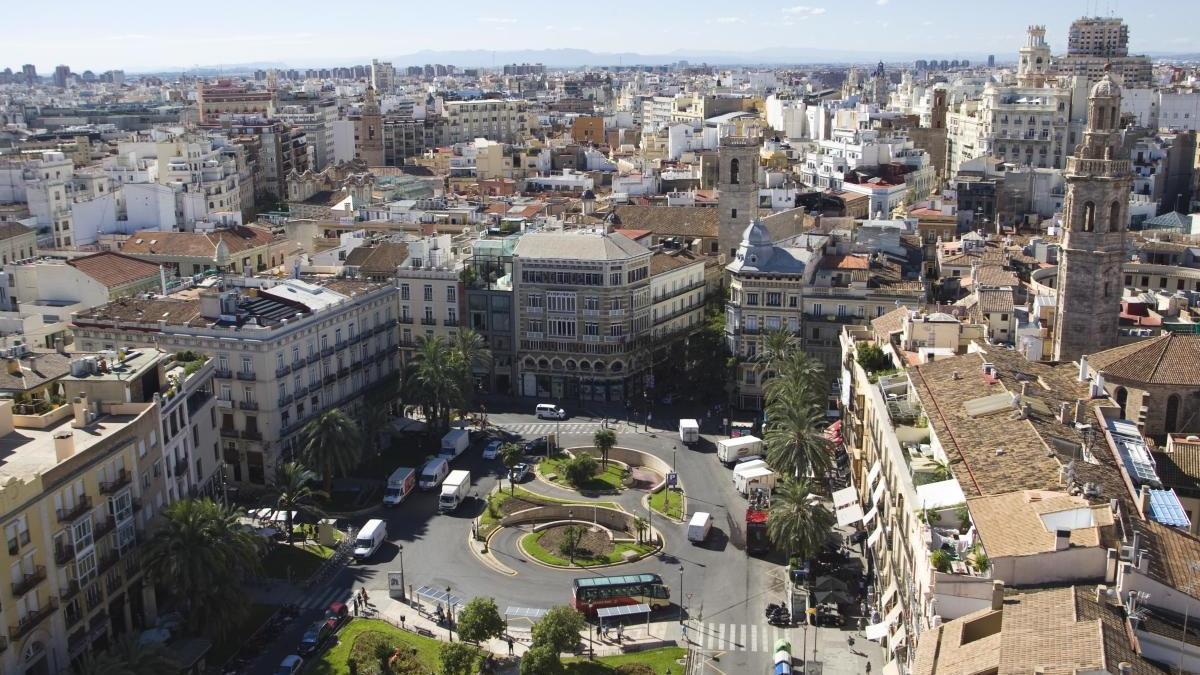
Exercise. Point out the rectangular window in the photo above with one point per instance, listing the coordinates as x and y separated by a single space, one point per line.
752 299
404 292
428 294
451 294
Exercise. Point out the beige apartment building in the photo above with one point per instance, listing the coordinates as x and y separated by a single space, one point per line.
430 293
583 306
79 488
501 120
284 351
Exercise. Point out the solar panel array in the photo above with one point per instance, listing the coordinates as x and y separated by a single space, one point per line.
623 610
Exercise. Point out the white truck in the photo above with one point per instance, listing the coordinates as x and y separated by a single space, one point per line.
400 483
750 475
454 490
689 431
454 443
730 450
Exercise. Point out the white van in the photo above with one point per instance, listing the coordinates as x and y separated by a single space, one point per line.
699 526
549 411
433 473
369 538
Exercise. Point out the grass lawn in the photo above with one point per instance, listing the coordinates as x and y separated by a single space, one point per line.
297 562
494 511
668 502
653 661
336 661
608 480
255 617
531 544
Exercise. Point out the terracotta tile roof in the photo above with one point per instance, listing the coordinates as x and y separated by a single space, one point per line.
845 262
34 372
994 300
174 311
994 275
662 262
382 258
196 244
114 269
690 221
1054 631
1011 525
10 229
1174 556
1169 358
1179 467
892 322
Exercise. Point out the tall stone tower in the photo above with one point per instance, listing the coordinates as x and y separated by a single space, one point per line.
368 131
1033 61
1095 212
737 185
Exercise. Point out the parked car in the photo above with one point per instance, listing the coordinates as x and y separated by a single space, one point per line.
549 411
537 445
290 665
338 612
492 450
519 473
316 636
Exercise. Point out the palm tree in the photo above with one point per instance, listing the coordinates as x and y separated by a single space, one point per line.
798 522
293 492
472 353
332 445
777 346
200 552
640 525
438 378
795 410
604 440
373 419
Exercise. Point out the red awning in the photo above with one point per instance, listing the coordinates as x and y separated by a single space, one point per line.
834 432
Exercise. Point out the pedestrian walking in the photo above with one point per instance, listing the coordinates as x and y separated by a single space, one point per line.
510 645
354 605
620 632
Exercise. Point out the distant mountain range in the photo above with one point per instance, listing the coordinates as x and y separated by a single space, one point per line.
564 58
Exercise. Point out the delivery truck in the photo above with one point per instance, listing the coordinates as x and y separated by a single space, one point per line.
699 527
454 490
689 431
400 483
754 475
433 473
730 450
454 443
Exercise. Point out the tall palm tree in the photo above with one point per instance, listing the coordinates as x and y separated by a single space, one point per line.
798 522
332 445
201 552
604 440
511 455
471 353
795 440
777 346
373 420
293 492
439 379
142 659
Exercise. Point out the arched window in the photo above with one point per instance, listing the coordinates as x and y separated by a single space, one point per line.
1171 423
734 166
1089 217
1114 217
1122 395
1113 116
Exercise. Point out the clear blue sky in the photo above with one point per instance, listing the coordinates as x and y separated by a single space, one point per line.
142 34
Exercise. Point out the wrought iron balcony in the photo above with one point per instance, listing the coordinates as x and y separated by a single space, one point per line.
29 581
247 375
32 620
119 481
70 513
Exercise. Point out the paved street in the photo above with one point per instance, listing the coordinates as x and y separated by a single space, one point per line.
724 590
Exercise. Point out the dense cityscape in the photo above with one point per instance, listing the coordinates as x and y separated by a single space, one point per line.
688 367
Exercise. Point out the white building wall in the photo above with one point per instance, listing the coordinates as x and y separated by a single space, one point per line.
150 206
94 216
343 140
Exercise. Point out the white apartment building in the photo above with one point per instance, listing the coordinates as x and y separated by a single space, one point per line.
677 291
284 351
502 120
58 195
865 150
430 293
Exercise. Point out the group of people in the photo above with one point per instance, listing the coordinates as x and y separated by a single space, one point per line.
359 602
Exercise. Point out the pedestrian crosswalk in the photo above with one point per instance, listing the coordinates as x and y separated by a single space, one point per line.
532 429
738 637
320 598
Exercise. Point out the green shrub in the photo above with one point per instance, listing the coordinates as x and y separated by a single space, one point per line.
580 469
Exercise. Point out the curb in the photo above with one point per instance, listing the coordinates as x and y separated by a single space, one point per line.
487 558
579 568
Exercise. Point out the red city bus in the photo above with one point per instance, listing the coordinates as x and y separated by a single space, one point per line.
592 593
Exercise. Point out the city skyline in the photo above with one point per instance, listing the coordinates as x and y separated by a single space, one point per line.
89 38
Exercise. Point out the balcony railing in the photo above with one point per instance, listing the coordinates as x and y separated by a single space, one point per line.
70 513
102 527
229 432
248 405
286 399
450 322
63 554
297 364
314 357
223 373
247 375
327 351
69 591
283 370
330 378
343 371
29 581
428 321
341 345
181 468
32 620
252 434
404 319
108 487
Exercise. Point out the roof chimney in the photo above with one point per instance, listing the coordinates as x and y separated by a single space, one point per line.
1064 412
1062 540
1143 499
64 445
79 406
59 346
14 365
1083 368
1101 594
1080 411
997 595
1124 668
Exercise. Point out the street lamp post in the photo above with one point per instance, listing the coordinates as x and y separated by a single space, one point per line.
449 614
681 594
571 534
403 595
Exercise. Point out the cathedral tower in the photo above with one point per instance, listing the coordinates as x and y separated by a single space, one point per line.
1034 59
1095 213
368 131
737 187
